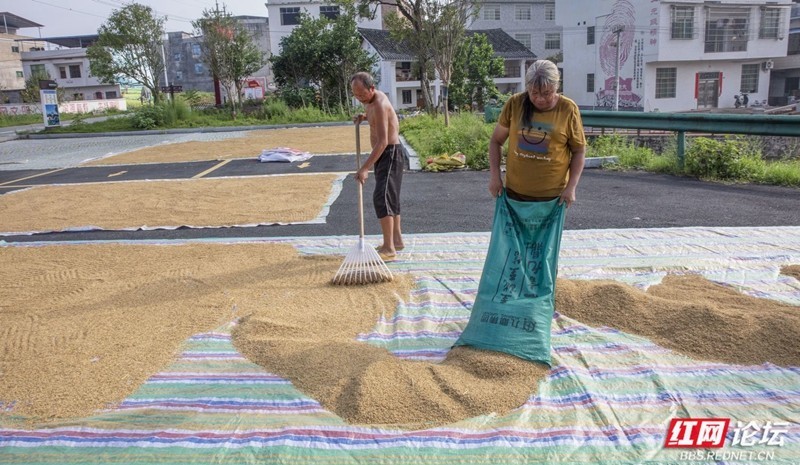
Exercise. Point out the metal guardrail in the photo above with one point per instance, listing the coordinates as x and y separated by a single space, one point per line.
681 123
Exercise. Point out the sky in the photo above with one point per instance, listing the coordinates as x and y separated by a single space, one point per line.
81 17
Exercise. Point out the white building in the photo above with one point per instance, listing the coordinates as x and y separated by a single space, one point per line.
530 22
785 82
69 67
284 15
394 70
673 55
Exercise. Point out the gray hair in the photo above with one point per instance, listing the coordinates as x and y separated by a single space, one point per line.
363 78
542 73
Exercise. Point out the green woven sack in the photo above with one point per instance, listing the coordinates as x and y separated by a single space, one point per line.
516 295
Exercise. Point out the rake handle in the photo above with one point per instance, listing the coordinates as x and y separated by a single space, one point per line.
360 187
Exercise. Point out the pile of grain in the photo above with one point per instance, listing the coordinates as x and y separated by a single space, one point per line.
791 270
85 325
323 139
692 316
195 202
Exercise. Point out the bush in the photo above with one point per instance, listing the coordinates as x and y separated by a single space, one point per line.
730 159
148 117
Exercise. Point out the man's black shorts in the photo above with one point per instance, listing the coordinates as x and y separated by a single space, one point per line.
388 177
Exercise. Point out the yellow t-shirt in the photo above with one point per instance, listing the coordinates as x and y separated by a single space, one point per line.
539 152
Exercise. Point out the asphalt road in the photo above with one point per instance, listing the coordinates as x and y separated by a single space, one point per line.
457 201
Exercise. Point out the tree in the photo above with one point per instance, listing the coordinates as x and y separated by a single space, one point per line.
475 66
415 23
317 59
447 22
229 51
129 45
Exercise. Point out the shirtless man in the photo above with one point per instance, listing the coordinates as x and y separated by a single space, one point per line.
386 157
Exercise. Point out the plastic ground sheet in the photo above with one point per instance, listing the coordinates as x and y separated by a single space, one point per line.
609 398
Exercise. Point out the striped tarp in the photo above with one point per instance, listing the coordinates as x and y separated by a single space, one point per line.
608 400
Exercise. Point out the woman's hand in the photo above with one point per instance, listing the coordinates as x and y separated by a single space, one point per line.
495 186
568 196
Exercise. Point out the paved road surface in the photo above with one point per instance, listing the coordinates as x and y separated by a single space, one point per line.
432 202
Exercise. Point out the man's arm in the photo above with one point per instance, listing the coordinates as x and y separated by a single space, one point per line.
499 137
379 129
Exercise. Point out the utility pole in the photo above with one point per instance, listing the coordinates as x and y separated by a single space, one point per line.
217 91
617 30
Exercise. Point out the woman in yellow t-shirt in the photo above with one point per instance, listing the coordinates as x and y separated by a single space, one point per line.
546 143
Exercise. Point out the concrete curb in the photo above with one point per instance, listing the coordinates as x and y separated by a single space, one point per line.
77 135
598 162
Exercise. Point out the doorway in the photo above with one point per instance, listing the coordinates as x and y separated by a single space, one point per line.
708 90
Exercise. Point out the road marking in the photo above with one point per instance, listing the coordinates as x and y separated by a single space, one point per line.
117 174
218 165
31 177
304 165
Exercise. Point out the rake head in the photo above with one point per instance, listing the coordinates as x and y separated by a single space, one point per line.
362 265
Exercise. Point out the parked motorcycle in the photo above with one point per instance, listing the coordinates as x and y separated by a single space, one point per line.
740 100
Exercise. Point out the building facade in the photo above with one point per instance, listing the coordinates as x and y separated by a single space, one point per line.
670 55
184 56
285 16
785 83
69 67
532 23
396 79
12 45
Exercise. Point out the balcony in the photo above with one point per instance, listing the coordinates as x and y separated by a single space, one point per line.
403 75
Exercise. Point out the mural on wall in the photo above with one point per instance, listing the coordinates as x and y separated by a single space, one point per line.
623 18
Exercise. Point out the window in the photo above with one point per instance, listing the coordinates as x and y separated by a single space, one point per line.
522 13
62 71
726 30
111 94
491 13
20 74
177 56
196 51
552 41
330 12
590 82
74 71
198 68
407 97
770 23
524 39
511 68
682 26
98 95
15 49
590 35
178 75
290 16
749 78
666 82
38 70
550 11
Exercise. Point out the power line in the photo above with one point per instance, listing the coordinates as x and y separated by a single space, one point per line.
68 9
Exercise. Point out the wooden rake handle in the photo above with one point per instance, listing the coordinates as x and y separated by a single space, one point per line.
360 187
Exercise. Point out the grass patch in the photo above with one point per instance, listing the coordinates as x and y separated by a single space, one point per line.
782 173
467 133
180 114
